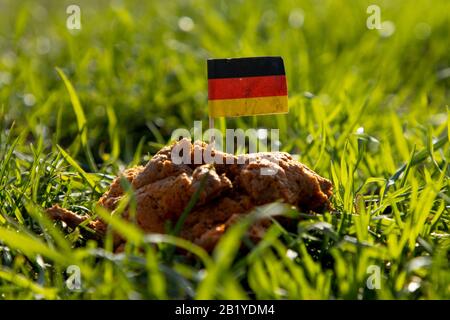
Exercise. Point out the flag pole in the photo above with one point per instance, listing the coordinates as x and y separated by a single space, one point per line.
211 127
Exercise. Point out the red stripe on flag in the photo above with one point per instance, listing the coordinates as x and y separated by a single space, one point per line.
248 87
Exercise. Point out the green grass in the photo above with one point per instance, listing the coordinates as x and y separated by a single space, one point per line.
367 111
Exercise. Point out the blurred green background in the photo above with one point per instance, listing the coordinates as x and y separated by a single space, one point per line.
367 110
145 61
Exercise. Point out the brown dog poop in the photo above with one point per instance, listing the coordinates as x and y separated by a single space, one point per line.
227 189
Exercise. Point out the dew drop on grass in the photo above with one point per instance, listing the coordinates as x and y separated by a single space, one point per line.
387 29
291 254
414 285
296 18
308 95
201 274
29 100
186 24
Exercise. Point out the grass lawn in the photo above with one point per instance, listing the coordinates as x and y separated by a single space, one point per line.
368 110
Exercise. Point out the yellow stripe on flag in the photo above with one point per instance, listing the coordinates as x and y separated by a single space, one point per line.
247 106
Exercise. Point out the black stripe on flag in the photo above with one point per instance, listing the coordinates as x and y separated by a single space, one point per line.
245 67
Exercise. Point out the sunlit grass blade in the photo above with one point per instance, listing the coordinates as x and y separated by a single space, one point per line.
30 246
80 170
79 113
80 116
22 281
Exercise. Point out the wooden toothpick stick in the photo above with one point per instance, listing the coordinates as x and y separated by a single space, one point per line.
211 126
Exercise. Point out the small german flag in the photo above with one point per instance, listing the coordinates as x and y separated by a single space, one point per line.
246 86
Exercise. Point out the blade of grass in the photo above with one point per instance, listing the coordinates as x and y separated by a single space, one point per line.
77 167
80 116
